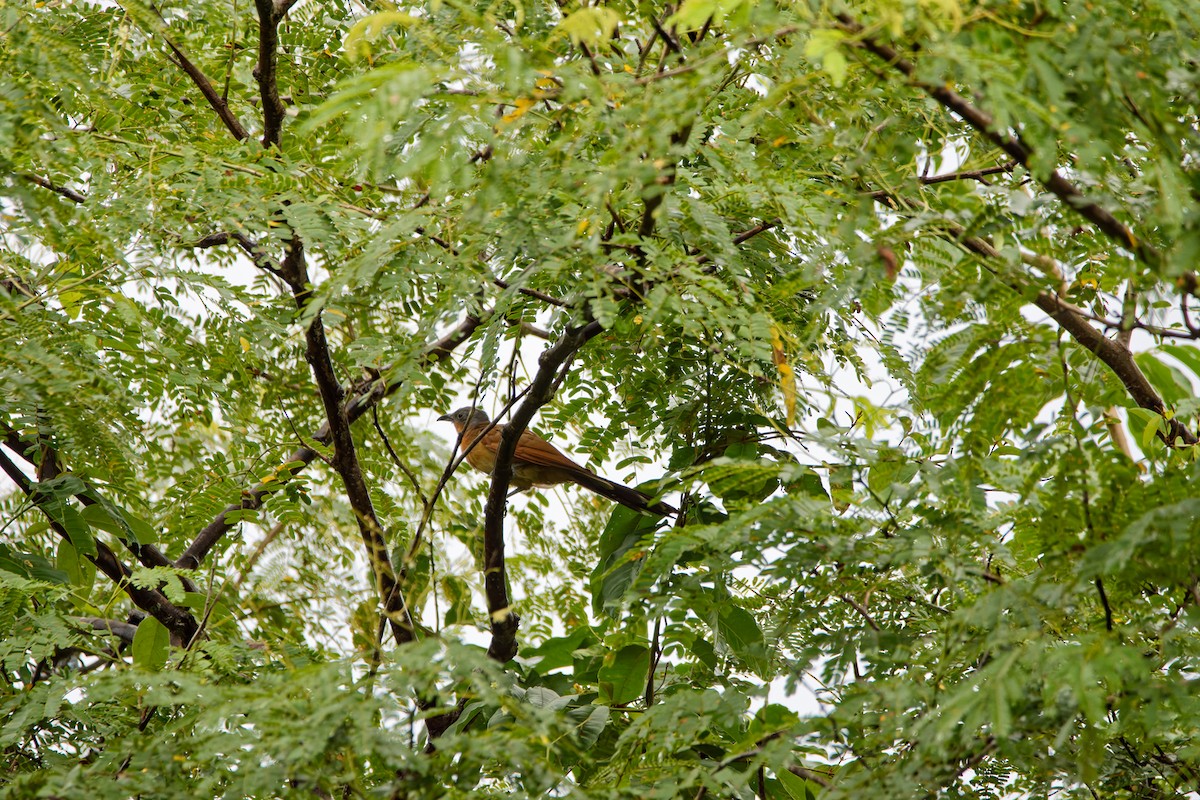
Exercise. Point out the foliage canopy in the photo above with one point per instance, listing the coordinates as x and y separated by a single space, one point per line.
891 298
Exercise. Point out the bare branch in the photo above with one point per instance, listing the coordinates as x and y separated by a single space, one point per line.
809 775
747 235
862 611
666 36
534 293
248 245
530 328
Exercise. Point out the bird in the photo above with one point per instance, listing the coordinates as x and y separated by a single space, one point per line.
536 462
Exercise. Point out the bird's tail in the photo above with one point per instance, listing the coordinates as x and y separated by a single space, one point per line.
624 495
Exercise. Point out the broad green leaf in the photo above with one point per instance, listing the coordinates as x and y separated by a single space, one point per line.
558 652
741 633
623 675
151 645
1170 383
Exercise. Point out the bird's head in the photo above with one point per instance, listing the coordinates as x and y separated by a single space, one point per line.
465 417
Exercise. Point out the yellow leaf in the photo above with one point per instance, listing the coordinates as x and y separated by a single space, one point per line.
590 25
370 27
522 105
787 377
582 227
245 344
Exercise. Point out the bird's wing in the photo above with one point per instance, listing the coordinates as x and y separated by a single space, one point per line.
533 449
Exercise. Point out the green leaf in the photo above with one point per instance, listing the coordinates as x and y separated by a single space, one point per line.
824 46
593 723
80 571
1154 425
369 28
619 563
797 788
458 591
1168 380
623 675
542 697
1189 356
694 14
741 481
55 497
558 652
77 529
738 629
109 517
151 645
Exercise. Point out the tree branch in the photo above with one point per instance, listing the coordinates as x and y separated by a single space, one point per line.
46 183
1072 319
178 621
981 121
269 17
122 630
49 466
504 622
215 100
1116 357
248 245
974 174
653 198
366 394
345 455
534 293
552 365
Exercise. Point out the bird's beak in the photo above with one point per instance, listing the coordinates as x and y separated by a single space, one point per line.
445 418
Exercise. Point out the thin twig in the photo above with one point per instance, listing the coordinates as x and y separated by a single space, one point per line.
857 606
400 465
534 293
973 174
